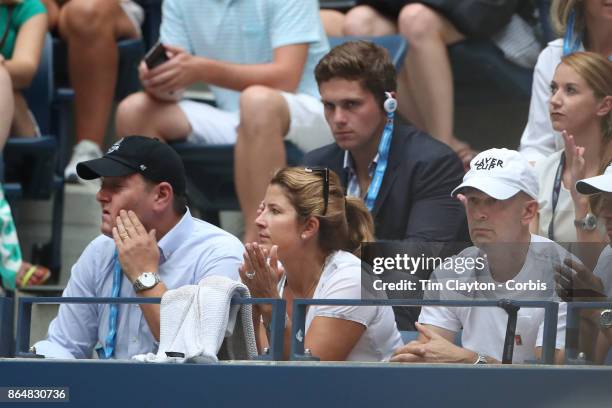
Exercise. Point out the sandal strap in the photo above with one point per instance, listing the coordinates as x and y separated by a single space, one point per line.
26 277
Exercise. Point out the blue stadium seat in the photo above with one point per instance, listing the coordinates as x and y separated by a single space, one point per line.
31 169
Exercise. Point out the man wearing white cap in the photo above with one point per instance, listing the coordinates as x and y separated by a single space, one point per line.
572 277
500 196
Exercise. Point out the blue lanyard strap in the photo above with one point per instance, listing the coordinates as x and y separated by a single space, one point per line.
381 165
109 348
572 40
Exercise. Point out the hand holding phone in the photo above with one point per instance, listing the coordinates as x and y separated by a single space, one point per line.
156 56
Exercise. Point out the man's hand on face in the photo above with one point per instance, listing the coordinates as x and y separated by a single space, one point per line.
137 248
433 348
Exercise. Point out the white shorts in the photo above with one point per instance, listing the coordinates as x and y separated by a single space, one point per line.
308 129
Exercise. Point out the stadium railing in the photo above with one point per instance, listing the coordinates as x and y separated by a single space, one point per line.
25 318
511 306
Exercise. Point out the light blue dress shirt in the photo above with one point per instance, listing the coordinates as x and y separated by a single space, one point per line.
245 32
190 251
353 189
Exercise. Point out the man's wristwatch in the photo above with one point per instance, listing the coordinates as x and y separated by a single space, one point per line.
588 223
146 281
605 319
480 360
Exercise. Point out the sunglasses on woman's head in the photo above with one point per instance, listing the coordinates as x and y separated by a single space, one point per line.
325 172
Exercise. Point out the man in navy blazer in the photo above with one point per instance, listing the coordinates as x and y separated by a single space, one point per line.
414 203
410 198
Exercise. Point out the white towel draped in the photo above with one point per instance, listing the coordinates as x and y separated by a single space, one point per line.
195 320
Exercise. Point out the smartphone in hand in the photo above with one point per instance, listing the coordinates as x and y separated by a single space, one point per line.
156 56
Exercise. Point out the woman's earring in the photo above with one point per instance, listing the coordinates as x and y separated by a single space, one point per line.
303 236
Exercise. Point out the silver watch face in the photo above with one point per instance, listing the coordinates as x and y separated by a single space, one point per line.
590 222
147 279
605 319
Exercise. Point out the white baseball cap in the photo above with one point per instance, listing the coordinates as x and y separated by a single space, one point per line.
596 184
500 173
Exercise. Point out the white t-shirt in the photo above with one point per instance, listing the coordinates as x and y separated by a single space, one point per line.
564 229
484 328
603 269
341 279
539 138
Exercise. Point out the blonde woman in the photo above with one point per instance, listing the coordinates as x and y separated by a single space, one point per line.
583 25
307 224
581 110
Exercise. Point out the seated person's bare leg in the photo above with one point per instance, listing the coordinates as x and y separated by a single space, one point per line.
53 11
332 22
7 106
408 106
264 121
141 114
91 29
428 72
364 20
23 123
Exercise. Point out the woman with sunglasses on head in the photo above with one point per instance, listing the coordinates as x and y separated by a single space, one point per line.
584 25
307 224
581 109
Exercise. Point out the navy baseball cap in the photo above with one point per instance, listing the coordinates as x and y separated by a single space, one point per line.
154 160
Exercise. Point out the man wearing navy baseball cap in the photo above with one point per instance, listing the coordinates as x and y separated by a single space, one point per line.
150 243
507 262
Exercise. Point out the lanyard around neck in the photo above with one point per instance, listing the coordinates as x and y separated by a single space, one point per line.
381 165
555 195
109 348
572 40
